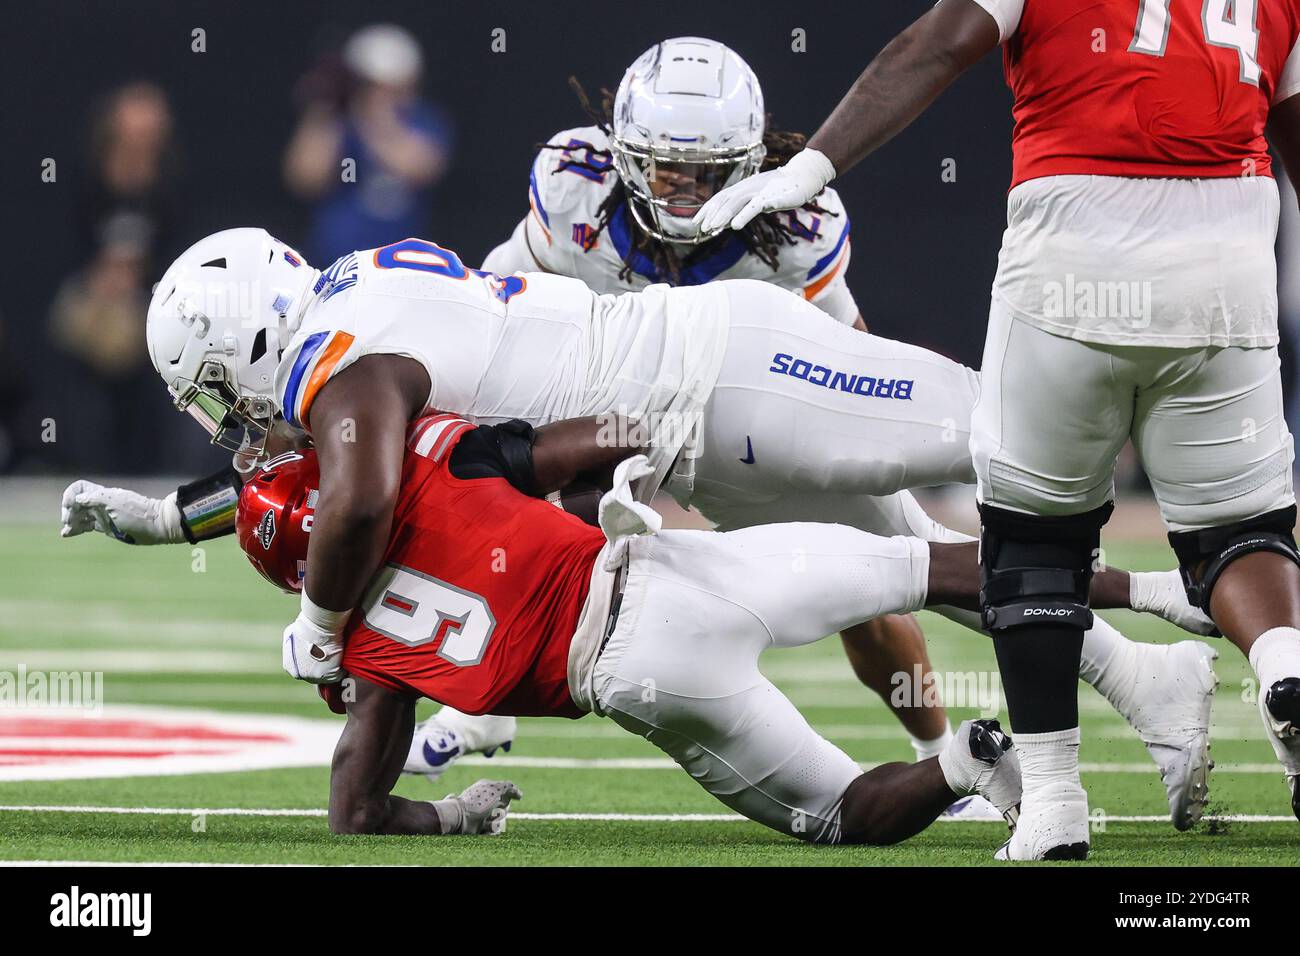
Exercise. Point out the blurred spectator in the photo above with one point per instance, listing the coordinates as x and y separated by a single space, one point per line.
364 105
97 323
111 408
133 174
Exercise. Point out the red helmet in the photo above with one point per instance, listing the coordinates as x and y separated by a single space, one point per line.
275 514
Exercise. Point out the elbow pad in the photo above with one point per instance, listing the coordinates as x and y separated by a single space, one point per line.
498 451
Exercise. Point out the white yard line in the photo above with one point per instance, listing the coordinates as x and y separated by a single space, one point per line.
148 692
502 761
601 817
115 661
173 863
664 763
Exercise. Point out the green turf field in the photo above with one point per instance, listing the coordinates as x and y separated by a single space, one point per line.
172 627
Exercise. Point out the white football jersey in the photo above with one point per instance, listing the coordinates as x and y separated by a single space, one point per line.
533 346
558 235
494 347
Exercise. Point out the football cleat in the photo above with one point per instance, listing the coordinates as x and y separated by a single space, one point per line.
980 759
1173 692
448 735
1280 709
1053 826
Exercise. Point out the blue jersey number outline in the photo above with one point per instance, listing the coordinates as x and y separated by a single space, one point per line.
424 256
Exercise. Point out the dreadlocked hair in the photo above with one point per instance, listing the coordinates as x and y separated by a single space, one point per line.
764 236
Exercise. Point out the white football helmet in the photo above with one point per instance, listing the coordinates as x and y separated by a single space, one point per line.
219 319
688 121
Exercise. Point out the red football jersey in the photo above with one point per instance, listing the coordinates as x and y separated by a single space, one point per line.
1146 88
480 591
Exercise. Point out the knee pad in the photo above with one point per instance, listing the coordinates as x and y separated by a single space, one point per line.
1036 571
1216 548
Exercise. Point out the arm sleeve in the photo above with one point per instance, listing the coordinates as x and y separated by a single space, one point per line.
207 506
497 451
1007 13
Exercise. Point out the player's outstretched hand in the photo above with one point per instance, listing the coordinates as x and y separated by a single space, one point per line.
786 187
120 514
479 810
1162 593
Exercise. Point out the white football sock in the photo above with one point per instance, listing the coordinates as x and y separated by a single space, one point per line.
1109 663
1275 655
1101 644
925 749
1048 762
1103 648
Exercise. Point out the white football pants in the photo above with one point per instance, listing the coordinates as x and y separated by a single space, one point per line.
681 668
1055 412
803 403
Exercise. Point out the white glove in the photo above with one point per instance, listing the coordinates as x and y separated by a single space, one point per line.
1162 593
786 187
480 810
312 649
120 514
622 516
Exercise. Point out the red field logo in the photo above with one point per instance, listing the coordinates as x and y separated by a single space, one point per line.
50 744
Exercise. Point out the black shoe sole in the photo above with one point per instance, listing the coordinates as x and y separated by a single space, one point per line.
1067 851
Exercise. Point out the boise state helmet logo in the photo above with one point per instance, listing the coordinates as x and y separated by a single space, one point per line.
266 530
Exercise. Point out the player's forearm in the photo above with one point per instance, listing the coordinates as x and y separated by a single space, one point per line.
410 818
349 537
359 484
582 447
904 79
1110 589
390 816
359 424
380 814
954 576
955 579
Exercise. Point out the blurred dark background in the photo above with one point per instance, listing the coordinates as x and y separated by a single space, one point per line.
157 145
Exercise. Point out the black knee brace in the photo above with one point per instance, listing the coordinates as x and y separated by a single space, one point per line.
1217 548
1036 571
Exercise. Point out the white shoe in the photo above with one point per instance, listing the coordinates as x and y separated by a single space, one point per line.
1280 708
971 808
981 762
1173 692
448 735
1053 825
